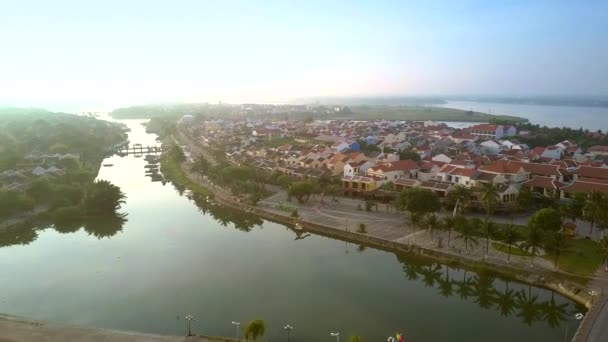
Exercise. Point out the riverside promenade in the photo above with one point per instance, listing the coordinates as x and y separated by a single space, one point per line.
18 329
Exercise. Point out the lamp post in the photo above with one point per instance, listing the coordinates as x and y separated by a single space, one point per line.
189 319
288 328
336 335
237 325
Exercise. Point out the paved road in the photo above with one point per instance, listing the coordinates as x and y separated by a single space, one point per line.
18 329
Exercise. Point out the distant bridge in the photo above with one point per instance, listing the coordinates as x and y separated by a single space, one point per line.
140 149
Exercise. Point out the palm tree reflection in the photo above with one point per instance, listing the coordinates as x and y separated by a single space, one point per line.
481 288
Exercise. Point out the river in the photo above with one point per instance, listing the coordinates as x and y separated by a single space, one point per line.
592 118
175 256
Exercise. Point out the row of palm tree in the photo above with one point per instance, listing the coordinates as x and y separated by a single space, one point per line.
482 290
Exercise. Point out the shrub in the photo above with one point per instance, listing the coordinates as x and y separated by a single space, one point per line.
361 229
295 214
359 207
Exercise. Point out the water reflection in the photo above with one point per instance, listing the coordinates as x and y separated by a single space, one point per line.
225 215
27 232
20 234
481 288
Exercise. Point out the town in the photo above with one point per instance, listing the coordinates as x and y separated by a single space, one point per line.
373 157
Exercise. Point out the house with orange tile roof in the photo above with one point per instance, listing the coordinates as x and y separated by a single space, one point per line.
491 131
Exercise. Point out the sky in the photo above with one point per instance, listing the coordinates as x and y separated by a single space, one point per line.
114 53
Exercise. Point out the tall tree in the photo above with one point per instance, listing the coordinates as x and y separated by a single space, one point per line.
510 237
469 232
603 249
594 208
448 224
533 241
489 197
461 195
556 244
488 228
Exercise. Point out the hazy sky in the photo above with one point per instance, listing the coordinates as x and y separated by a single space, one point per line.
117 52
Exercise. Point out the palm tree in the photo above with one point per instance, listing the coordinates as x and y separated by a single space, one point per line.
603 248
489 198
415 219
511 236
448 224
506 300
594 208
431 222
488 229
462 197
255 329
412 271
556 244
532 243
468 232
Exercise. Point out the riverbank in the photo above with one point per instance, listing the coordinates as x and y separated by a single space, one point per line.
19 329
569 286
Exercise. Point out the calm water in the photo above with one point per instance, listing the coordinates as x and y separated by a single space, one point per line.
176 256
592 118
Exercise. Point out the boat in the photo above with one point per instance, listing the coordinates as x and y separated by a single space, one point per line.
108 165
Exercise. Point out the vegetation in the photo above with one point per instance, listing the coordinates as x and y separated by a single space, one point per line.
362 228
409 155
301 191
422 113
103 198
254 330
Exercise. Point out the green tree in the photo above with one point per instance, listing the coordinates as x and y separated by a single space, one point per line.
556 244
546 220
461 196
301 191
103 197
469 230
255 329
603 249
12 202
448 224
554 313
431 222
533 241
595 207
40 190
355 338
488 228
506 301
489 198
510 237
409 155
525 199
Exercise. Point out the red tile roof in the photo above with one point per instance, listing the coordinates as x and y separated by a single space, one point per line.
592 172
502 166
585 187
543 182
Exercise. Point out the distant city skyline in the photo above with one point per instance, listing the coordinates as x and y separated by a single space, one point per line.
108 54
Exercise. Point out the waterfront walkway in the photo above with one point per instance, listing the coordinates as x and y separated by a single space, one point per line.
18 329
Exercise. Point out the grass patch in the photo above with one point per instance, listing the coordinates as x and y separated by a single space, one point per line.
515 250
583 264
173 172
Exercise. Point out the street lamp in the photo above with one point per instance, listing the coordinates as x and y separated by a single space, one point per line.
189 319
336 335
237 325
288 328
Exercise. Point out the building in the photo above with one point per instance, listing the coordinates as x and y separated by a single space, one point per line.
493 131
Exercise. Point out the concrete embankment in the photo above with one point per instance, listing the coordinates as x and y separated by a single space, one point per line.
18 329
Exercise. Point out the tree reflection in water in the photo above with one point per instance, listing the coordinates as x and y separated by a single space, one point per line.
20 234
225 215
104 226
481 289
